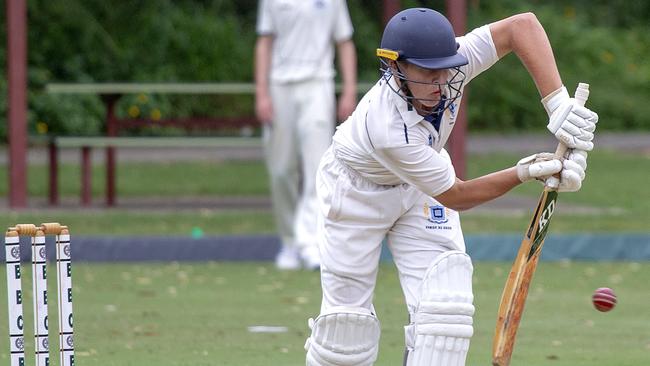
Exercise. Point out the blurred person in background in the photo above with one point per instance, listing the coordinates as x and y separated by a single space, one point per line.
296 103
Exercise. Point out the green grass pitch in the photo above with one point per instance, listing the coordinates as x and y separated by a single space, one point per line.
198 314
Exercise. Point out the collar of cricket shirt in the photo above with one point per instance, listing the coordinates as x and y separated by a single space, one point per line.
409 115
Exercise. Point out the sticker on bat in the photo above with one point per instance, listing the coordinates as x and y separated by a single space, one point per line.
542 227
546 215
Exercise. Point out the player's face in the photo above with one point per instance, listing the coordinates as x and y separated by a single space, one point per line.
425 85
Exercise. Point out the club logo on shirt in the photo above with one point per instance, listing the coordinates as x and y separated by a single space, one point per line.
452 108
436 214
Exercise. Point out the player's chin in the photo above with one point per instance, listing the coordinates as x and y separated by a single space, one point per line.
428 103
432 100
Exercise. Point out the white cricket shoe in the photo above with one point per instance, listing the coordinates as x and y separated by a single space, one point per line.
287 259
310 258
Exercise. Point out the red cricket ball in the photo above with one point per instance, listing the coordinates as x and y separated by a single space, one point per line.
604 299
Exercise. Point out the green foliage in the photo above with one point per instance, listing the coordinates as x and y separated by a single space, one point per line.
610 59
161 41
367 35
601 42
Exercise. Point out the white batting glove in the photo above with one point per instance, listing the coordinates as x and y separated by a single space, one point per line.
538 166
573 172
571 176
579 157
572 124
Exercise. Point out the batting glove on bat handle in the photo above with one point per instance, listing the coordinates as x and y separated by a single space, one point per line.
573 172
577 155
538 166
569 121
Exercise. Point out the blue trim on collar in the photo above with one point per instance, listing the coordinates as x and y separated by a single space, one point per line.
436 116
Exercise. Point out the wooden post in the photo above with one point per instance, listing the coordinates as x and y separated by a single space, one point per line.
86 176
17 101
54 173
457 14
390 8
111 131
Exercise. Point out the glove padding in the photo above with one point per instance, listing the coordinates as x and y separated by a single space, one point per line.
538 166
572 124
573 172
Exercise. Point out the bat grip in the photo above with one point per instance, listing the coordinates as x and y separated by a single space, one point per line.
561 150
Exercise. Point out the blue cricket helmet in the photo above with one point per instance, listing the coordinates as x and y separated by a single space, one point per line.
422 37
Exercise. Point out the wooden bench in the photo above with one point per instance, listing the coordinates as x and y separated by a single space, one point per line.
110 93
87 143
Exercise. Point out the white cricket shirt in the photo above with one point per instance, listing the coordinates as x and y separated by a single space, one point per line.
304 32
389 144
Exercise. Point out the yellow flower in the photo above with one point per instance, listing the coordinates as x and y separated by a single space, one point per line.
570 12
607 57
134 111
41 127
155 114
143 98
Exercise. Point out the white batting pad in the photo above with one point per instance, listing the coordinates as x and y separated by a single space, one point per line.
343 337
441 327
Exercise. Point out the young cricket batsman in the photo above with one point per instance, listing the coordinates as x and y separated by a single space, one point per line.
387 175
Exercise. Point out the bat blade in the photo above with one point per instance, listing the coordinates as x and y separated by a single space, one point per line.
514 294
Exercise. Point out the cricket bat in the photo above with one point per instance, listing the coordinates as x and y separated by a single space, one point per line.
515 291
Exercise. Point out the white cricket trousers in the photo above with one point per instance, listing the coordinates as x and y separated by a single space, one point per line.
354 218
302 129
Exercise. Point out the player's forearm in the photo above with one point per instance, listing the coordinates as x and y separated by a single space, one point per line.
464 195
525 36
348 65
262 64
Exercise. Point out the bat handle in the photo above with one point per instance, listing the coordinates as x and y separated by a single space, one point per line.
581 95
